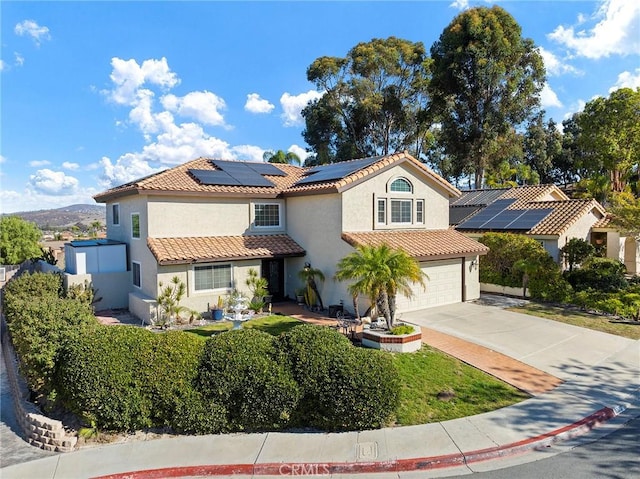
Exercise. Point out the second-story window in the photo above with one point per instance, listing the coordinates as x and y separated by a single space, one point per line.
135 225
401 211
267 215
400 185
115 214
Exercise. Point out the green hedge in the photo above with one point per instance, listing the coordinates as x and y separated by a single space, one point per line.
600 274
31 286
241 370
126 378
343 388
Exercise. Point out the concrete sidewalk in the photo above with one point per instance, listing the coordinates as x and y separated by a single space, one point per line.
601 382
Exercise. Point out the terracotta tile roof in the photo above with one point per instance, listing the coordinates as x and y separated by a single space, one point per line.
527 193
421 244
178 180
564 214
604 222
222 248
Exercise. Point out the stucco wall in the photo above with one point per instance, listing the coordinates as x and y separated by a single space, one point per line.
113 288
359 201
580 229
314 223
195 216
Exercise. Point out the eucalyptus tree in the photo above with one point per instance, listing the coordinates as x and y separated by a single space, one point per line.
374 101
542 144
485 84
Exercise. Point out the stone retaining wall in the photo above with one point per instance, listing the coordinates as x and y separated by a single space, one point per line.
38 430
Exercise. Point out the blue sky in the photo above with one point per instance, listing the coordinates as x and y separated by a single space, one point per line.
95 94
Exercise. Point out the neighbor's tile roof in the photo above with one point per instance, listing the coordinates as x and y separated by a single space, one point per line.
565 213
604 222
420 244
222 248
179 180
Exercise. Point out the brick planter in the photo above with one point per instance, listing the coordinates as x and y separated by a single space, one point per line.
381 339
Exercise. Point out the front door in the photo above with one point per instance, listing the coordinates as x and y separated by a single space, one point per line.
273 271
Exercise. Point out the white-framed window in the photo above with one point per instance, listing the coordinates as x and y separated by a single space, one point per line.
419 211
401 185
135 225
382 211
266 215
136 274
209 277
401 211
115 214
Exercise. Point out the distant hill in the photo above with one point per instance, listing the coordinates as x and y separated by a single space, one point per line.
65 217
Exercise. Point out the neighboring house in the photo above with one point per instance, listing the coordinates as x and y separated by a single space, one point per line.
209 221
544 213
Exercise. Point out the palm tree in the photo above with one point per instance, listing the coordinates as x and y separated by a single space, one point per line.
281 157
381 273
95 227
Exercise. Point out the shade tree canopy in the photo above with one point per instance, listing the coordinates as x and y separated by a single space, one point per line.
486 83
19 240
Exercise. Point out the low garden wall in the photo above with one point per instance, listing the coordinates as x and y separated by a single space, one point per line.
401 343
498 289
38 430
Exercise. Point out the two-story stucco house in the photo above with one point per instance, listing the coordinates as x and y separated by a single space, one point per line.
209 221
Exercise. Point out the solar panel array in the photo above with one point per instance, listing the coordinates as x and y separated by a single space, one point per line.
497 216
237 173
478 197
335 171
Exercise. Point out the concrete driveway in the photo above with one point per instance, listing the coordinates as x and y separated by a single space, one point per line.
579 356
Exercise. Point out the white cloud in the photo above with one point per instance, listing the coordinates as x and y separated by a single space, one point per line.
575 107
301 152
31 29
203 106
53 182
129 77
68 165
2 159
128 168
249 152
19 59
293 105
460 4
255 104
548 98
3 66
39 163
627 80
31 200
615 33
554 66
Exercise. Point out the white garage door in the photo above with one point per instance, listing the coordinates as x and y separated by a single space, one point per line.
444 286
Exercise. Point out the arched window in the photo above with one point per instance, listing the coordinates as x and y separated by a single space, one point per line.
401 185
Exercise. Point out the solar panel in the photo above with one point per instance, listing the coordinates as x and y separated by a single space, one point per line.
237 171
486 214
214 177
266 169
459 213
529 219
503 219
336 171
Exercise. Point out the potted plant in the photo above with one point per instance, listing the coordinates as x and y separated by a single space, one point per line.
257 286
300 296
217 312
311 295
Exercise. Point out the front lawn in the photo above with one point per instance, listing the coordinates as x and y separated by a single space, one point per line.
605 324
428 372
422 374
274 325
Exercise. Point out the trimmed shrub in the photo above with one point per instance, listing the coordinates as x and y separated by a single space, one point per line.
195 415
343 388
550 288
99 377
241 371
30 287
365 390
601 274
38 328
512 256
310 353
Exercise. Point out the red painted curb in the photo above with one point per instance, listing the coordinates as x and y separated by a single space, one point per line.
395 465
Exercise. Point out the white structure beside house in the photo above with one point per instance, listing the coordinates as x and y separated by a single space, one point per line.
209 221
546 214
